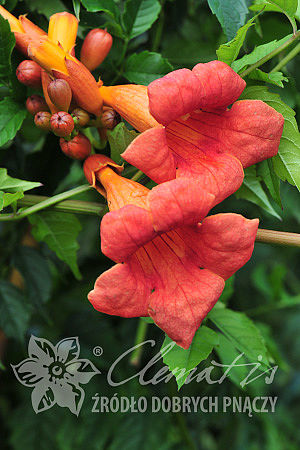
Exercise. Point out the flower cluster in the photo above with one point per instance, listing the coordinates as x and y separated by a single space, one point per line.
196 139
71 98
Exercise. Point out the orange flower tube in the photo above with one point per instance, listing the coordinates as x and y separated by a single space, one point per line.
132 103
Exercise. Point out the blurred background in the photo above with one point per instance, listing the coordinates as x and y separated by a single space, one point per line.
267 288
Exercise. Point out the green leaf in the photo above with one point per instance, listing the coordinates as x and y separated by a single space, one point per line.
181 361
36 273
230 13
229 52
287 162
47 8
252 191
7 199
76 7
287 7
107 6
119 138
12 115
59 231
14 311
144 67
139 15
276 78
266 172
258 53
10 184
7 43
242 332
228 353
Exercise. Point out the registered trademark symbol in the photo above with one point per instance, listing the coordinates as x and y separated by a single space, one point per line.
98 351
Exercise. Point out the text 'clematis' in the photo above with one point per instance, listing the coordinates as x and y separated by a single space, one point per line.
170 266
190 130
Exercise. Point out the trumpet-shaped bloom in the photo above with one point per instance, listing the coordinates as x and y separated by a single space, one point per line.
199 136
171 262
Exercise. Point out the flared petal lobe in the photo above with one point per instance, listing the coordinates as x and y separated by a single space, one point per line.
210 87
163 154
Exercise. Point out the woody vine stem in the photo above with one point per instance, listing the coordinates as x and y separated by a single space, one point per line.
35 203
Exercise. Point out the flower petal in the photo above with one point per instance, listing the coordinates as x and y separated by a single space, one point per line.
184 302
174 95
151 152
221 85
42 397
211 86
30 371
123 291
63 30
223 243
178 203
81 371
41 349
250 131
123 231
220 174
68 395
67 349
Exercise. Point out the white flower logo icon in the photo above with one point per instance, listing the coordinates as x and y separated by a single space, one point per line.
55 374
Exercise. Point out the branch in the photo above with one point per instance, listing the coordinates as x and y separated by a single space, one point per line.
270 55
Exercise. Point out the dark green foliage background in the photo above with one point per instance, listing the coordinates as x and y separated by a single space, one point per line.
55 303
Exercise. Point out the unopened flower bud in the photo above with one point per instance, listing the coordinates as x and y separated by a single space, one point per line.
35 104
77 148
60 94
29 73
42 120
62 124
95 48
82 116
110 118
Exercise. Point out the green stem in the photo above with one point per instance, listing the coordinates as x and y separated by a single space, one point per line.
137 175
39 205
287 58
140 337
270 55
72 206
